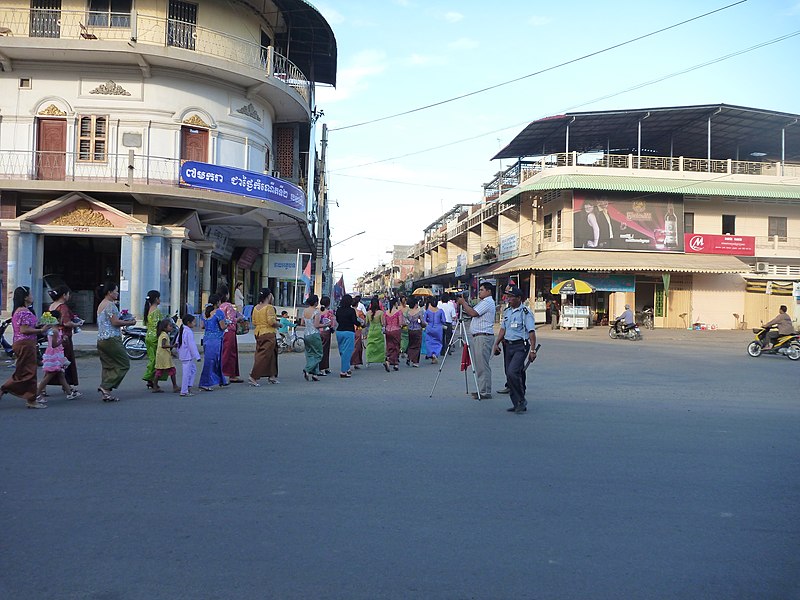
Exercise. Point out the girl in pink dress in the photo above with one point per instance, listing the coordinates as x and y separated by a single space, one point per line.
54 363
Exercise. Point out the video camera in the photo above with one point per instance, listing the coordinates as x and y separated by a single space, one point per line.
456 292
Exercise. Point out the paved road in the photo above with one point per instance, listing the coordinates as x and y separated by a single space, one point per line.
661 469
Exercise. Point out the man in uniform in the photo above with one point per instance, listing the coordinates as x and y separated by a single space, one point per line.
518 337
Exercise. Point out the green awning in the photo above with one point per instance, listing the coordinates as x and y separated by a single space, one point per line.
691 187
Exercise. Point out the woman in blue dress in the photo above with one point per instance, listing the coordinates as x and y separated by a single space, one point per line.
434 317
214 324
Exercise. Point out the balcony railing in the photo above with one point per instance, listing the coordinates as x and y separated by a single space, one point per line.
145 29
523 170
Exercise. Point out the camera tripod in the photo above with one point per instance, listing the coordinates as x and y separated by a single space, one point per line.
459 333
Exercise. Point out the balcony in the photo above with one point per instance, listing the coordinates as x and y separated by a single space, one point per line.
94 31
523 170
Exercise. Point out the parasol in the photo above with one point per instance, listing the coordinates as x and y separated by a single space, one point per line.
572 286
421 291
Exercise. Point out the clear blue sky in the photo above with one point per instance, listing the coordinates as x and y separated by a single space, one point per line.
397 55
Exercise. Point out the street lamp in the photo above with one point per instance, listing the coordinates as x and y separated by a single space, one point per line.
347 238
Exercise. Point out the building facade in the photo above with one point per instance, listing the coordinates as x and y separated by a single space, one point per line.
166 146
693 212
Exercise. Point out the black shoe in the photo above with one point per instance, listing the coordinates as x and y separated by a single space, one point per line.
512 409
520 409
505 390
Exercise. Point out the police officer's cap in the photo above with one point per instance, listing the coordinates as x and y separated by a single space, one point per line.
513 290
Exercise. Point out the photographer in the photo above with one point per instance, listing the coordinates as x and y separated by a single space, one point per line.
481 328
518 336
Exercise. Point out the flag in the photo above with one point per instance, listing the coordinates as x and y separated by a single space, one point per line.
338 290
305 277
465 361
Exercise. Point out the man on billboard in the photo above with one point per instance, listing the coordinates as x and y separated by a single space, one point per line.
609 228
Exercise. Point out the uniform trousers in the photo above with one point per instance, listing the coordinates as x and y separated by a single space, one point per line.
514 355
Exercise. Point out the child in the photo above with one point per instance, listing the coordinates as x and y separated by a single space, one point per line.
187 354
53 361
285 323
164 367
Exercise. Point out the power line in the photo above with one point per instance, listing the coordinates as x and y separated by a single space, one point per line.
636 87
558 66
424 185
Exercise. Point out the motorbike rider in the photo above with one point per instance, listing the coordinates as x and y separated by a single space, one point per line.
627 317
784 326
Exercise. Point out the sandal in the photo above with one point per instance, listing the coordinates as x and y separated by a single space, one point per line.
386 366
106 396
273 380
74 394
253 382
36 405
206 389
158 390
305 374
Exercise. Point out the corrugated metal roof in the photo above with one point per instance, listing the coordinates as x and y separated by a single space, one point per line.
600 260
662 185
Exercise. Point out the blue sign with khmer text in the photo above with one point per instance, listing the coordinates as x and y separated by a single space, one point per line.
244 183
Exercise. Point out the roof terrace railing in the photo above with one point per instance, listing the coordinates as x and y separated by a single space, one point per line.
138 28
525 169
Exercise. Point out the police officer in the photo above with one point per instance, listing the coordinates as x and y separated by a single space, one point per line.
518 337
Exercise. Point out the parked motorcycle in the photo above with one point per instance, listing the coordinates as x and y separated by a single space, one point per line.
647 318
619 330
6 346
133 338
786 345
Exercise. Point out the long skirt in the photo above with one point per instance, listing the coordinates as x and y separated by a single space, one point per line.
212 363
265 361
313 344
423 350
345 339
376 345
404 340
435 334
414 345
114 362
230 354
358 349
325 363
393 347
150 369
71 372
22 382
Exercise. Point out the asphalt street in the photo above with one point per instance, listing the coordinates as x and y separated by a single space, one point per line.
666 468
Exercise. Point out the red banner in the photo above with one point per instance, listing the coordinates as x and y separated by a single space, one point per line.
709 243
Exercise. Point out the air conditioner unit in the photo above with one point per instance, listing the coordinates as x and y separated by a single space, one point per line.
762 267
276 174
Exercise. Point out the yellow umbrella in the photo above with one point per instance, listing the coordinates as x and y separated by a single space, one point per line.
421 291
572 286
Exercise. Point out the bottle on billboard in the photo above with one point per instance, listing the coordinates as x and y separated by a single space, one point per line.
670 228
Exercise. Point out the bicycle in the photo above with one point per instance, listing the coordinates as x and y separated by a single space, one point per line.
290 343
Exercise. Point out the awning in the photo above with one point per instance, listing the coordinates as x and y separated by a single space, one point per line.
595 260
691 187
491 269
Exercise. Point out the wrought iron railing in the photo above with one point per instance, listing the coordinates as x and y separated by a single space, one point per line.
137 28
523 170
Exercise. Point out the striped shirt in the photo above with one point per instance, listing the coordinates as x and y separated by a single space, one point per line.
484 322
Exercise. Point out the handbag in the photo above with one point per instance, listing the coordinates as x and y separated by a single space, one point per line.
242 327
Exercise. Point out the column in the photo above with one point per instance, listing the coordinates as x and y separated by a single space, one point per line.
13 255
265 257
206 291
175 276
39 294
137 296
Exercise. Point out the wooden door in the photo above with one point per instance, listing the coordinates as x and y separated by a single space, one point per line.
194 144
51 149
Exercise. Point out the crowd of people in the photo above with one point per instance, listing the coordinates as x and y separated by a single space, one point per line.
380 332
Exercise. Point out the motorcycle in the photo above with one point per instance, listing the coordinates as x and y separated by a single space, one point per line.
619 330
647 318
786 345
133 338
6 346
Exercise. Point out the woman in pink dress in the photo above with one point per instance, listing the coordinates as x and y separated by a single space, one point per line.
230 347
394 322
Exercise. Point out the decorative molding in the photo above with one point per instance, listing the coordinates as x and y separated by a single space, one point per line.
53 111
249 111
197 121
110 88
83 215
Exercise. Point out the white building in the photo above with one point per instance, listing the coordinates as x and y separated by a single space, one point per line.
166 145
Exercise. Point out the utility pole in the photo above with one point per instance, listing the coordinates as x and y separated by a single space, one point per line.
322 248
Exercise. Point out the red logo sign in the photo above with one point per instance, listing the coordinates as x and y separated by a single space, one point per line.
709 243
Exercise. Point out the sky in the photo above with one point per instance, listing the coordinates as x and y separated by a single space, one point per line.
394 177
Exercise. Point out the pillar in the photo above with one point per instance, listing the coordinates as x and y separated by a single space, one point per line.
39 294
175 276
206 291
265 257
135 276
13 257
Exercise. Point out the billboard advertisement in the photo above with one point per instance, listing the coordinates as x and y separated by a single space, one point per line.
627 221
708 243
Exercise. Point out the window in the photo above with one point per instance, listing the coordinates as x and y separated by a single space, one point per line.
109 13
558 226
548 226
92 136
182 26
688 222
728 224
777 226
266 42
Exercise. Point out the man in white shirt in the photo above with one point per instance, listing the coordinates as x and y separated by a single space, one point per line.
449 317
481 330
